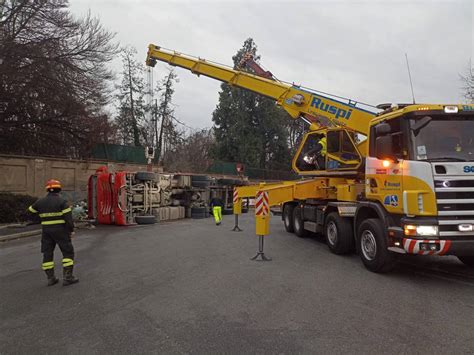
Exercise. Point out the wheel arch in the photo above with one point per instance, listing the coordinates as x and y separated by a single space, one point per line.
329 209
367 210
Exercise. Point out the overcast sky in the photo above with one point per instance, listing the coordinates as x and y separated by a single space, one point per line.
355 49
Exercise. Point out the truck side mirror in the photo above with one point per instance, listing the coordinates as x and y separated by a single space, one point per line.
384 148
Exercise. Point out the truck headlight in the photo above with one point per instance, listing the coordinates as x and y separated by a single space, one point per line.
422 231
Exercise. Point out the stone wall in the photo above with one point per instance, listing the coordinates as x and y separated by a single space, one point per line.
28 175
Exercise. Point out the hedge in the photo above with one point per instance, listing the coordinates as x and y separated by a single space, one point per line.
13 208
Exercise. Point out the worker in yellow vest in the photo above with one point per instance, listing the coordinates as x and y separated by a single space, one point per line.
317 155
217 205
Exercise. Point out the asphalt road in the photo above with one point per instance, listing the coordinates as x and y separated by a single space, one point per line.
189 287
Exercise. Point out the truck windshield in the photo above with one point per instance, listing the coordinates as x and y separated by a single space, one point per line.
443 138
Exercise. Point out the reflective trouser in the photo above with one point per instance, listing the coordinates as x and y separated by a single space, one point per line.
217 211
59 235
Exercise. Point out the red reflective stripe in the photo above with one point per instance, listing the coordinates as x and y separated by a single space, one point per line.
258 204
406 244
261 205
447 244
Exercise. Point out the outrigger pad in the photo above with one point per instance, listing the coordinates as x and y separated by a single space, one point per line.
261 257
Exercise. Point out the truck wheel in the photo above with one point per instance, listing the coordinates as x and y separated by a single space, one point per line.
200 178
145 176
226 182
372 247
145 219
201 183
288 218
298 223
467 260
199 212
338 234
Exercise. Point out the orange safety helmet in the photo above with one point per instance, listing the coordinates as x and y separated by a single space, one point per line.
53 184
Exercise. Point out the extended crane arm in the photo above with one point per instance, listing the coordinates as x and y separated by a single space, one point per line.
295 100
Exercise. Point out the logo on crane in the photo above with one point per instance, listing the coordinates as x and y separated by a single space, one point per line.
317 102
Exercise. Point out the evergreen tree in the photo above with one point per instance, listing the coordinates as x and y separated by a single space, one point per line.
250 128
167 135
131 117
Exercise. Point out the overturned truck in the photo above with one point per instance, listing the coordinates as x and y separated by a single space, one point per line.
143 197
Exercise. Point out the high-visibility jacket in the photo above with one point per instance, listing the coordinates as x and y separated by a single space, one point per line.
216 202
53 210
324 146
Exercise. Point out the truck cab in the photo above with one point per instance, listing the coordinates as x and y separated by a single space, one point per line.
419 170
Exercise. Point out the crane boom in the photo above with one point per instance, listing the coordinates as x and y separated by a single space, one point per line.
298 102
249 61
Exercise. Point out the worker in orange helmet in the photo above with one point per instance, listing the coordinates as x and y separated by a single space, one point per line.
58 228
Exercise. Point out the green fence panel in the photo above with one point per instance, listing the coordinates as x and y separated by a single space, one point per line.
119 153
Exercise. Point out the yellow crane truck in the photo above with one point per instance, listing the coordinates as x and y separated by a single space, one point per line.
385 180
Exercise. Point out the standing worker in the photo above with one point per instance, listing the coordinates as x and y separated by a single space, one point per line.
216 205
58 228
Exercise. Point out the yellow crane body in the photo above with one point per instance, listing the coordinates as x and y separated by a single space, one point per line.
397 181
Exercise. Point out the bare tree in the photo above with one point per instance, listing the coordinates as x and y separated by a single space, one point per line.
191 154
54 79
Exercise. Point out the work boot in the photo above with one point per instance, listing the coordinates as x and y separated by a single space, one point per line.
52 280
68 277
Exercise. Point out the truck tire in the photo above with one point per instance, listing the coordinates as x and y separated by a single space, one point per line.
201 184
227 211
145 219
199 212
298 223
372 246
288 217
238 182
338 234
225 182
145 176
467 260
200 178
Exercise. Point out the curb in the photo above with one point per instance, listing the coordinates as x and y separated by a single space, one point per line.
6 238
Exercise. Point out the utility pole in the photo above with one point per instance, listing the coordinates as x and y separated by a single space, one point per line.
136 138
155 115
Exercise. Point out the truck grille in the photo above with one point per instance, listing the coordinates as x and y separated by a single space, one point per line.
455 202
